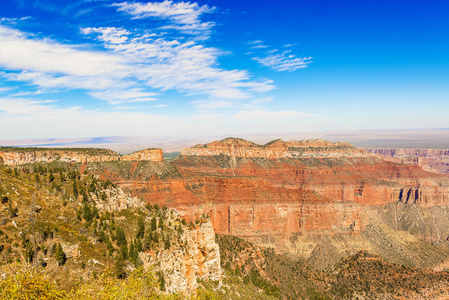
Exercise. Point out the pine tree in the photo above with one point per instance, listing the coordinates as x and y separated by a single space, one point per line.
139 246
131 253
119 268
87 212
60 256
120 236
124 251
140 229
153 223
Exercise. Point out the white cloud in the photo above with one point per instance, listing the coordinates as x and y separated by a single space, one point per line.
132 61
109 34
186 66
14 20
256 44
266 115
17 52
259 47
124 96
135 65
185 15
5 89
283 62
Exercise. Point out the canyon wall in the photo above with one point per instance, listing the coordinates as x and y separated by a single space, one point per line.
316 199
276 149
253 192
19 156
154 155
432 160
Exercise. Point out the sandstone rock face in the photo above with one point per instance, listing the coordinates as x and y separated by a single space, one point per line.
200 258
19 156
275 150
154 155
432 160
14 158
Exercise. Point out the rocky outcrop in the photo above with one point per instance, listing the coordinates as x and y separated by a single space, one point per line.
154 155
432 160
277 149
115 199
20 156
71 251
199 258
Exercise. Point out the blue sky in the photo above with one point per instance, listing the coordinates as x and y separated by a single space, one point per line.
109 68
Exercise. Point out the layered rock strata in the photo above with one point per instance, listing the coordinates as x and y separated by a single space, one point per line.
278 189
154 155
274 150
432 160
17 156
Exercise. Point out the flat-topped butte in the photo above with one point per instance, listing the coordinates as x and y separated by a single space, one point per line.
13 156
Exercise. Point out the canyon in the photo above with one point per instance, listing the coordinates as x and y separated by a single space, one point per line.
315 199
432 160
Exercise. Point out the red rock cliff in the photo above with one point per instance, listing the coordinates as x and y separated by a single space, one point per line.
281 188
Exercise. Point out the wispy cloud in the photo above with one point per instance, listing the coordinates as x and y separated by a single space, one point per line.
125 65
133 60
256 44
124 96
14 20
276 60
284 62
185 16
5 89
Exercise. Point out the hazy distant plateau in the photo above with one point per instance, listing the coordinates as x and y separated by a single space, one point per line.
400 138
